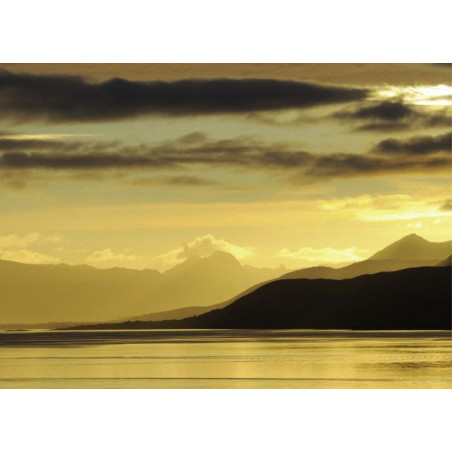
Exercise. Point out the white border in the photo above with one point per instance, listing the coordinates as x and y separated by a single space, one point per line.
101 31
225 420
234 31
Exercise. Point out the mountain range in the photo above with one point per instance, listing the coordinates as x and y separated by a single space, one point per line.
409 252
391 258
39 294
414 298
58 295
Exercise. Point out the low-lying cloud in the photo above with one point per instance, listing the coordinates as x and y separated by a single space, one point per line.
108 255
28 257
16 248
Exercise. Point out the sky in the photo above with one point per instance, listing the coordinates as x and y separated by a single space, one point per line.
144 165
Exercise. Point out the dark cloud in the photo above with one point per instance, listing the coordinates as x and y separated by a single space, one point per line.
386 111
359 74
353 165
177 180
191 138
386 116
423 153
239 152
83 161
9 144
415 146
17 143
383 126
439 119
69 98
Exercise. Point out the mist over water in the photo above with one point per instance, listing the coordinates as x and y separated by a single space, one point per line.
225 359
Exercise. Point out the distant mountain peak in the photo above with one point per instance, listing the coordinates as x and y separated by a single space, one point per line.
218 261
412 247
219 254
222 258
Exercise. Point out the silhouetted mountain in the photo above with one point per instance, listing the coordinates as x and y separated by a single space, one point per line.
415 298
350 271
413 247
40 294
409 252
359 268
445 263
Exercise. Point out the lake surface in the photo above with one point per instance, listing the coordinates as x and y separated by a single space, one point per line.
225 359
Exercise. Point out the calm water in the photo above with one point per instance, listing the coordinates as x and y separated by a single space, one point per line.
225 359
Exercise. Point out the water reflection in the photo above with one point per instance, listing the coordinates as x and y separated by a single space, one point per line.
226 358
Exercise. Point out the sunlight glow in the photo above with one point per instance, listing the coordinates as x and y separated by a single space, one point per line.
436 95
322 255
41 136
397 207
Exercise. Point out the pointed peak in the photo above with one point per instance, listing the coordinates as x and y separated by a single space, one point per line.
414 247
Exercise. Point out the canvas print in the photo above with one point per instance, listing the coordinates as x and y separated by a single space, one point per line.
225 226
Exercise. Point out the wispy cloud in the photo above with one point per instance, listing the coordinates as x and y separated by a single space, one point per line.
16 241
323 255
108 255
416 154
394 207
28 257
176 180
16 248
202 246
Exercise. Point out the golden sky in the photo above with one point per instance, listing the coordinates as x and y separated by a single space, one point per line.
297 164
